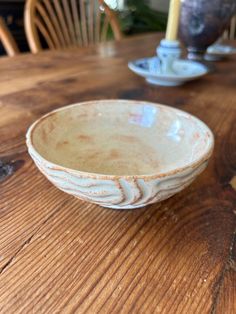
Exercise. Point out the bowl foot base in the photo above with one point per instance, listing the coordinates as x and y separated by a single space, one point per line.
125 207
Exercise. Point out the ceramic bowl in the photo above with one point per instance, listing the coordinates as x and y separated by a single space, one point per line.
118 153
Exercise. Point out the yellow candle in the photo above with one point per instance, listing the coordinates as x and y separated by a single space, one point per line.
173 20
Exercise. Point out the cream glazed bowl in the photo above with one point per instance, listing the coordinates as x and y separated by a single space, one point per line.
119 153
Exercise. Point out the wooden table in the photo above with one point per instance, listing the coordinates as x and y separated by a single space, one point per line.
62 255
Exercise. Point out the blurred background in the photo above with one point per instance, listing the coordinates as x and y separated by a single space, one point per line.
136 16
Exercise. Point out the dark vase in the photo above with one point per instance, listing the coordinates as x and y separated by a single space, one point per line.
202 22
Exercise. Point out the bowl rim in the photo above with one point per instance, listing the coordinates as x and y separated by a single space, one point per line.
49 164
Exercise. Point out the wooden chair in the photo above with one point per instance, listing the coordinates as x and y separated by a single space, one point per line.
230 33
64 23
7 40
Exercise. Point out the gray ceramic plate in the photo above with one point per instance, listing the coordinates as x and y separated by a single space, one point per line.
219 52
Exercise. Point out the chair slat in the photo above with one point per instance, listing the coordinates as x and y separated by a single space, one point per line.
68 17
104 29
49 24
45 33
98 25
113 21
61 19
55 22
91 21
83 22
7 39
76 19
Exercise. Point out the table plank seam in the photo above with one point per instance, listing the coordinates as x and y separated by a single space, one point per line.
28 241
9 262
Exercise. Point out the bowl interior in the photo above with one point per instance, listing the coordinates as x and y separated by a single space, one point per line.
120 138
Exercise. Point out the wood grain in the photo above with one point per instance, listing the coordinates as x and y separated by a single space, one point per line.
62 255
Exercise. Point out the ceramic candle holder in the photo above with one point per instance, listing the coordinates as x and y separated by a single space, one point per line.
167 69
168 52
